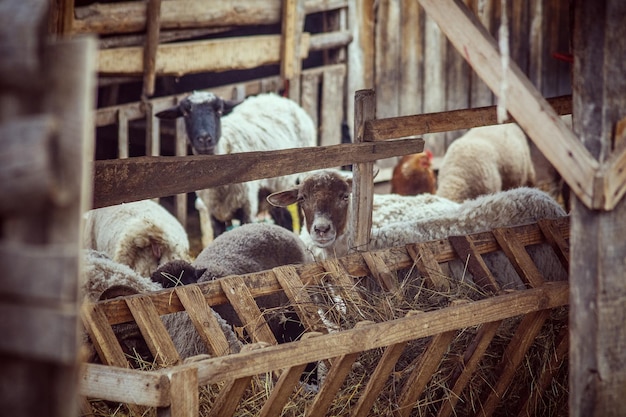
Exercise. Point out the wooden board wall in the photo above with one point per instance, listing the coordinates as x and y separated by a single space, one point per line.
417 70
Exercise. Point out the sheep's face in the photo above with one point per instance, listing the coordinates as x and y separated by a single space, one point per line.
202 113
324 198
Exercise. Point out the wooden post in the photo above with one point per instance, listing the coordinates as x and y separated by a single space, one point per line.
598 249
153 21
52 90
363 181
291 65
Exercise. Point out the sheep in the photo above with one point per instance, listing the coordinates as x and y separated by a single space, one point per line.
486 160
177 272
325 201
413 175
103 279
252 248
260 123
141 234
324 198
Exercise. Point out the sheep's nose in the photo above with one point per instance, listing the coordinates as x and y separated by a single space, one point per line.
206 138
321 229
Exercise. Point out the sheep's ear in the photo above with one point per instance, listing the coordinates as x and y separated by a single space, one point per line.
173 112
283 198
229 105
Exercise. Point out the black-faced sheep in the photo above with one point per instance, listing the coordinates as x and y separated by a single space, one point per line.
486 160
325 200
260 123
141 234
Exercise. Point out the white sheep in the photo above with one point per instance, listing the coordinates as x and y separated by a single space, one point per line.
325 200
141 234
260 123
485 160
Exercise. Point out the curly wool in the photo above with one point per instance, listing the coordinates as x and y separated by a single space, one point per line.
141 234
486 160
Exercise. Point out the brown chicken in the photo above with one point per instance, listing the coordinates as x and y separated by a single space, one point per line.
414 175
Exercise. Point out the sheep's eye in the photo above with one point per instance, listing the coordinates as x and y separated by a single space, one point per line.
185 108
345 197
302 197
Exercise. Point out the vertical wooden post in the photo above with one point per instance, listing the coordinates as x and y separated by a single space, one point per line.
598 248
153 21
361 51
290 65
363 181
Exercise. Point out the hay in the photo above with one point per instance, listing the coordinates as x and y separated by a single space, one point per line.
372 304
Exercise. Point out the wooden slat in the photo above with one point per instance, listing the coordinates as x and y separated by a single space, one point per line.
556 240
332 105
284 387
468 366
247 309
118 181
153 131
129 386
521 341
102 336
379 377
444 121
363 175
290 54
230 395
154 332
122 134
381 272
468 253
309 95
334 380
519 257
427 265
184 395
299 298
423 372
203 319
552 367
153 23
531 111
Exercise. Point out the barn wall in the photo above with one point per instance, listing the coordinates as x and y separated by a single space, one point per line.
417 70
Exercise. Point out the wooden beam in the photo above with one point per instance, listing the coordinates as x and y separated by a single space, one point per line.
133 179
532 112
153 18
598 248
200 56
128 17
445 121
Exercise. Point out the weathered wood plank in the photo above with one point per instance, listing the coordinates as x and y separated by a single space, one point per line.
556 240
241 300
127 17
336 376
519 257
182 58
531 111
381 272
419 124
102 336
363 175
550 295
203 319
153 22
469 364
332 105
512 357
422 373
156 336
125 385
467 252
184 395
133 179
426 263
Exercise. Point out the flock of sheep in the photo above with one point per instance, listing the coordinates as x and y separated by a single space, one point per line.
485 181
